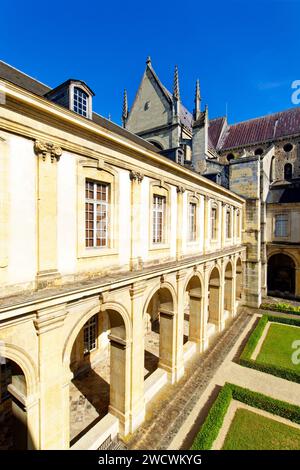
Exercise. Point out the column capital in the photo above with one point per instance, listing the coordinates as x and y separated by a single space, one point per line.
136 176
44 149
180 189
137 289
180 275
50 318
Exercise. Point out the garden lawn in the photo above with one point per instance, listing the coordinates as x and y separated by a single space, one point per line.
251 431
277 347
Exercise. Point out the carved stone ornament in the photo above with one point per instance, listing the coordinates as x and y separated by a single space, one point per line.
180 189
136 176
42 149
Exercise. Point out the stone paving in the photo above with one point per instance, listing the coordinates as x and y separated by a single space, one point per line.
175 403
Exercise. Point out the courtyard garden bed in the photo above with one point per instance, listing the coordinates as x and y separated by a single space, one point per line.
275 355
211 427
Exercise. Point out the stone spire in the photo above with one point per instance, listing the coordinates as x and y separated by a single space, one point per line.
125 109
197 101
148 61
176 92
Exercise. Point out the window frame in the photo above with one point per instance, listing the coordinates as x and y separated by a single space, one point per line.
287 225
90 329
160 189
214 233
80 100
228 223
96 203
156 211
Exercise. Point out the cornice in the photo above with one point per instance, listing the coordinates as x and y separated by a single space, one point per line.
41 104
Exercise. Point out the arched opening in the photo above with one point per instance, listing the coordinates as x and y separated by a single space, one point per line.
98 365
14 434
288 147
288 171
213 301
281 275
193 311
159 332
228 286
239 279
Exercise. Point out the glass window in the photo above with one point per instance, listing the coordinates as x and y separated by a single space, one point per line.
192 222
228 223
281 225
90 335
80 102
96 214
159 208
213 223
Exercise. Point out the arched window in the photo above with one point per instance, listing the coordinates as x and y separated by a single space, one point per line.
156 144
288 171
80 102
272 170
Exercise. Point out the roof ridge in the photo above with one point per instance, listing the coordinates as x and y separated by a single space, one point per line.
26 74
265 116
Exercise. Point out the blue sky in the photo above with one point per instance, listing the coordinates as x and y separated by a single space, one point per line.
245 53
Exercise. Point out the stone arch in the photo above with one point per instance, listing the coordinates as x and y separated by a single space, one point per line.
25 362
110 379
281 274
112 306
157 144
160 312
22 410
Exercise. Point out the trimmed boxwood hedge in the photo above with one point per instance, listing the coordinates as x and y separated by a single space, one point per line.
281 307
245 358
212 425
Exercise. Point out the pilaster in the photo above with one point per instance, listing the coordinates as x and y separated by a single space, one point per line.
136 179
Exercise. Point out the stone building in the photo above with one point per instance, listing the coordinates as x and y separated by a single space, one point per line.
258 159
117 264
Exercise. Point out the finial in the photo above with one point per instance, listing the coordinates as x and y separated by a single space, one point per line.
197 101
148 61
125 109
109 116
176 92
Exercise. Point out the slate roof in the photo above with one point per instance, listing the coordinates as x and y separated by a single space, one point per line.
263 129
15 76
214 131
285 192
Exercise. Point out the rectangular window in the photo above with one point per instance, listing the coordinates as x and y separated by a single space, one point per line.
238 223
192 222
159 209
96 214
90 335
213 223
228 223
281 225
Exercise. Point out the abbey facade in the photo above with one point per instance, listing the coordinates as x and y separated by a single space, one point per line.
118 262
258 159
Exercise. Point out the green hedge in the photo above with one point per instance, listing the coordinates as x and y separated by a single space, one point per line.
245 358
281 307
212 425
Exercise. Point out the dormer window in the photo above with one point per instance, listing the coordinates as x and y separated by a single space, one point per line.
74 95
80 102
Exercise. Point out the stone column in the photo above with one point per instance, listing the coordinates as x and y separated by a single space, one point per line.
197 319
297 282
48 155
135 258
48 324
179 362
179 238
120 382
167 343
204 342
137 357
221 320
4 208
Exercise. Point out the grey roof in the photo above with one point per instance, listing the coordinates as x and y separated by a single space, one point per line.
284 192
15 76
